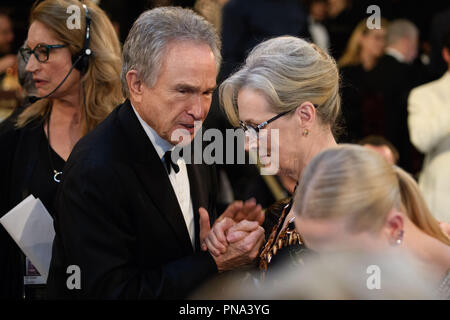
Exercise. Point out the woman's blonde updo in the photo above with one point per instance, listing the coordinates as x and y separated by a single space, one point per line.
288 71
357 184
349 182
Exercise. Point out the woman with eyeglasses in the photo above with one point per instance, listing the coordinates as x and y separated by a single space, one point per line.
288 88
291 88
75 61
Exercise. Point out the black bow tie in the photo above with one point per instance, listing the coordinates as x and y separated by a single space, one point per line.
169 163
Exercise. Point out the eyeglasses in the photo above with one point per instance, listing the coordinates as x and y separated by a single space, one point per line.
41 52
252 129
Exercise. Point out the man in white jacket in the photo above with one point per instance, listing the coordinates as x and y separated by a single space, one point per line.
429 128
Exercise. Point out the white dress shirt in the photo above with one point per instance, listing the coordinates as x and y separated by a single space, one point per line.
319 34
396 54
179 181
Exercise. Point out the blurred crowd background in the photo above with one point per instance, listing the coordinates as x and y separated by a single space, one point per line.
378 67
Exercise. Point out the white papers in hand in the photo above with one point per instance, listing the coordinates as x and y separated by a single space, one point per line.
31 227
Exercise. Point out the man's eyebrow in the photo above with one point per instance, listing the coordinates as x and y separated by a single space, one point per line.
189 87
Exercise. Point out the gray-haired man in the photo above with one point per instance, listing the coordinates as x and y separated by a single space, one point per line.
127 215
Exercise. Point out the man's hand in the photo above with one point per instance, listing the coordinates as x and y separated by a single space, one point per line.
236 212
241 253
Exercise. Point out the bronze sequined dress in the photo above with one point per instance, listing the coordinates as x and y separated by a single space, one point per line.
284 246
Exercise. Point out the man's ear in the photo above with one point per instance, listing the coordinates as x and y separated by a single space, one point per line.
135 85
393 227
306 114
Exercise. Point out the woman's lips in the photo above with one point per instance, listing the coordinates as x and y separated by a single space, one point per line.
39 83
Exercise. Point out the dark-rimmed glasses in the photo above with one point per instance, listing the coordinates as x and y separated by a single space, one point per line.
41 52
252 129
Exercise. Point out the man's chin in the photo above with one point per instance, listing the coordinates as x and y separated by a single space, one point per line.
181 138
184 134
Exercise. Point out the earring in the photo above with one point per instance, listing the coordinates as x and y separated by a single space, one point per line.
305 132
400 238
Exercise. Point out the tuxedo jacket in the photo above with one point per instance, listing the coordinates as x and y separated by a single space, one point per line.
118 220
391 82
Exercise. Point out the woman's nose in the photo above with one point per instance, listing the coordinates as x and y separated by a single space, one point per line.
246 144
32 64
251 141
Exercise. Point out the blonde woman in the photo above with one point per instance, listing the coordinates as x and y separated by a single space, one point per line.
363 50
77 75
289 86
352 199
365 46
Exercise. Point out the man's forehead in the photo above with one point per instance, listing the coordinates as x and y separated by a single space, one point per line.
189 64
181 51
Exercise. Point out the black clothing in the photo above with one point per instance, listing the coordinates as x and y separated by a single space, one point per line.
119 221
247 23
391 82
360 109
24 169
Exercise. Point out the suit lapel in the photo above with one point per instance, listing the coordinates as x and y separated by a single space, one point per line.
153 175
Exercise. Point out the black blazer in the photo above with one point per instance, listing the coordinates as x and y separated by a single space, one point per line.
18 158
118 218
391 81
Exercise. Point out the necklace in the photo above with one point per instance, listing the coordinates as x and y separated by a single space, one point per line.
56 172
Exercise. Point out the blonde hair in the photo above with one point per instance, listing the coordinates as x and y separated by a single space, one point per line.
101 82
349 181
416 207
288 71
352 53
359 184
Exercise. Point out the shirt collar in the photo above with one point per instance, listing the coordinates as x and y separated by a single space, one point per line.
396 54
161 145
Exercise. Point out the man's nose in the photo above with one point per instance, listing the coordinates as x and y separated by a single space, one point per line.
197 107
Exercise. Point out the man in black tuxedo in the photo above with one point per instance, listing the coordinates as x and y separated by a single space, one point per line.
390 83
127 214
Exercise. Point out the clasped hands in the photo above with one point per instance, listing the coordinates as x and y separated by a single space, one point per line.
236 237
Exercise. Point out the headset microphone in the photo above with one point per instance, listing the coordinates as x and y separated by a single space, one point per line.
33 99
80 62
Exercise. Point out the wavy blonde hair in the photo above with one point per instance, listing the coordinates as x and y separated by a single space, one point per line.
288 71
352 53
359 184
416 207
101 82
